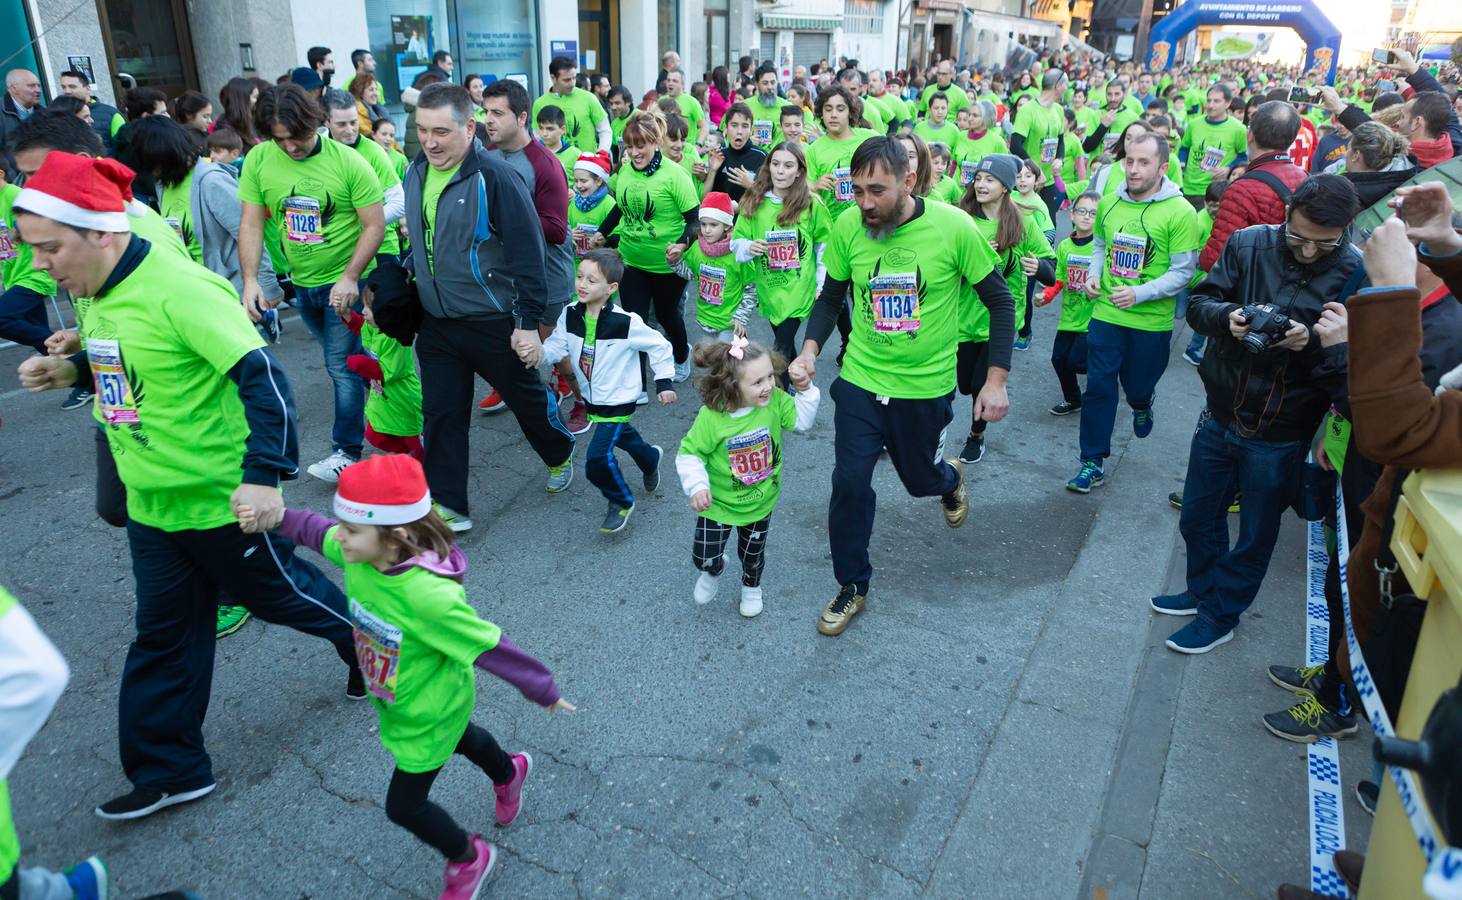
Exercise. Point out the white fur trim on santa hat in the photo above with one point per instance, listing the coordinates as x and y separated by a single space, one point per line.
381 514
717 215
591 164
67 213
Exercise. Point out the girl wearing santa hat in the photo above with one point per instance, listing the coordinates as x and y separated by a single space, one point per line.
723 299
590 203
417 641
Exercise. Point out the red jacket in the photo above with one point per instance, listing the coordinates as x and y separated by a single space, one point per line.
1249 201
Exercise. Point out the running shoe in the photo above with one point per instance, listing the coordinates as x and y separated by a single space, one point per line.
510 796
464 881
578 420
1065 408
643 398
974 450
89 879
750 601
616 518
78 398
682 370
230 619
1349 863
839 613
1309 720
456 521
705 588
562 390
329 468
1142 422
1089 477
355 686
144 801
1197 637
956 505
493 402
1176 499
1194 357
652 477
1368 794
1023 343
1301 680
561 476
269 327
1174 604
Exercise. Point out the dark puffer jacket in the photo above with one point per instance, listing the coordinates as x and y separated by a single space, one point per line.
1275 395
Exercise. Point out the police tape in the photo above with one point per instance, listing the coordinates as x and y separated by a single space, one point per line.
1327 811
1443 879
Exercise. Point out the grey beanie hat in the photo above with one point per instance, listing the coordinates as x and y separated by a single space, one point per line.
1003 167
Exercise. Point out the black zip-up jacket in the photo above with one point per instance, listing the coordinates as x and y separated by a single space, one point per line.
1276 395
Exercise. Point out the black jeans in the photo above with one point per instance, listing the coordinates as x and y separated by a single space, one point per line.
451 351
640 291
1068 358
406 799
784 341
111 493
708 552
1030 308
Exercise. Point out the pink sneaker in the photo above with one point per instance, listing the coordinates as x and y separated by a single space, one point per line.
464 881
510 795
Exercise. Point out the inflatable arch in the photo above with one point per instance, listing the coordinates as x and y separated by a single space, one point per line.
1322 39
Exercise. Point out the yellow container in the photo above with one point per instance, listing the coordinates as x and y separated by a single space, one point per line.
1428 546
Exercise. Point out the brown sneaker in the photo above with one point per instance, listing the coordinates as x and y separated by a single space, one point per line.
840 612
956 505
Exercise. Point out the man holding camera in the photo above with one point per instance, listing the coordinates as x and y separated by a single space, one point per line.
1269 376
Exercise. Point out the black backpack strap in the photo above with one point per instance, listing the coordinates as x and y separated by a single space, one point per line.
1280 189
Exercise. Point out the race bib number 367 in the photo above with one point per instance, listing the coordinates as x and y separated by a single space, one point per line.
113 390
377 652
895 299
1128 251
302 220
751 455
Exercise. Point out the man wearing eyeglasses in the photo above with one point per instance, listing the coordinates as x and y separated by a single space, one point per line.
1269 382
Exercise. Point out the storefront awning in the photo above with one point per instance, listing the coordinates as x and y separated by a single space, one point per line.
800 23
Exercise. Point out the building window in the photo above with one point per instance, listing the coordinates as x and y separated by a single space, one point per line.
669 25
498 39
863 16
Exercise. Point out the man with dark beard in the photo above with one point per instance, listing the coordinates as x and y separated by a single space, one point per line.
906 263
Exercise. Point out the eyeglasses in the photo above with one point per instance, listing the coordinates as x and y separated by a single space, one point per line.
1078 211
1297 241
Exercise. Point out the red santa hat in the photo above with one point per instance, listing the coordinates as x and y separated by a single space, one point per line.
79 191
382 490
596 164
718 207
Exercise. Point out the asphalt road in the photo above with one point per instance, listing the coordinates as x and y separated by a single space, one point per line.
959 740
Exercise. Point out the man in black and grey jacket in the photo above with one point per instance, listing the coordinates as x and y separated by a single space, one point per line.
478 254
1268 389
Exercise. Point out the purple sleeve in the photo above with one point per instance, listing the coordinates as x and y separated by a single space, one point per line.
306 528
522 671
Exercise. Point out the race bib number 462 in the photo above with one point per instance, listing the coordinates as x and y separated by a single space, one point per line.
113 390
302 220
751 455
782 250
895 299
377 652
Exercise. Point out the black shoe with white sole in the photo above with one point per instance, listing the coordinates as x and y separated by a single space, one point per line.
974 450
144 801
355 688
652 477
1065 408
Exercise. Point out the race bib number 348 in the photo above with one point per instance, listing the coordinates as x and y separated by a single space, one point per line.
895 299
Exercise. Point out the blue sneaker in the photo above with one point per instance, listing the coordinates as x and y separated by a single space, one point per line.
1193 356
1089 477
1022 343
1174 604
1142 422
1197 637
89 880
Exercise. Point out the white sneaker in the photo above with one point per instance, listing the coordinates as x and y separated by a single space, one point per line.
682 370
644 398
750 601
706 587
329 468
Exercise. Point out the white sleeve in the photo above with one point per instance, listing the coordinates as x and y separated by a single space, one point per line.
693 474
395 203
605 135
32 676
682 270
741 247
653 344
807 402
557 345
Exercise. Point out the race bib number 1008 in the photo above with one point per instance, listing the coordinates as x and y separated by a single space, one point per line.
1128 251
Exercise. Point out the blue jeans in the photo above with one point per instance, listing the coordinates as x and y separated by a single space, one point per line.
348 432
1224 581
603 469
1115 353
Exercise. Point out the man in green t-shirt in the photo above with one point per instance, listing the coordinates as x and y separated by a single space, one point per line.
586 124
200 421
895 110
906 263
944 84
1212 145
1115 116
1143 252
345 127
690 107
329 206
1038 134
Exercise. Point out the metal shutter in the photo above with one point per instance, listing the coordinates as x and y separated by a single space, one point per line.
810 47
768 51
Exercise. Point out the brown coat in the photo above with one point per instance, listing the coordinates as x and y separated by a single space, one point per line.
1398 421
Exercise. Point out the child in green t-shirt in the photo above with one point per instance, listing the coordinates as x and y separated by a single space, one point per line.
945 187
417 641
730 462
1028 183
590 202
393 404
1073 259
723 300
551 128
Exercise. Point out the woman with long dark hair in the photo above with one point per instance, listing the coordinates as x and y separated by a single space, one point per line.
193 111
719 97
237 99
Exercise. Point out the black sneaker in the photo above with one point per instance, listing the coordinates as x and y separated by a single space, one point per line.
1309 720
1065 408
78 398
355 688
1302 680
974 450
652 477
1367 793
144 801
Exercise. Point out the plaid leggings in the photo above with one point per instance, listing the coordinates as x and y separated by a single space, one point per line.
708 552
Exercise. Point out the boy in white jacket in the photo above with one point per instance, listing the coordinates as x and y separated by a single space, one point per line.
604 343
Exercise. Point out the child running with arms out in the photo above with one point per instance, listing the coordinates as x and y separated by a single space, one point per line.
416 642
604 343
393 402
723 304
1073 258
730 462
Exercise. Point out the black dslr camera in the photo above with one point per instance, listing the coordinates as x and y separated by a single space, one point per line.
1267 326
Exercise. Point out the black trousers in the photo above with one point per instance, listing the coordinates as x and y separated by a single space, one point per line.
1068 358
641 291
406 799
784 341
1030 307
972 368
111 493
451 351
709 550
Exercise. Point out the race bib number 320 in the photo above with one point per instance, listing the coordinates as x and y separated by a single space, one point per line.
1128 251
377 652
113 390
895 299
1077 268
751 455
302 220
782 250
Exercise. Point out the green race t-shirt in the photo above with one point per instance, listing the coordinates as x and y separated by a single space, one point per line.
398 163
971 150
160 345
1042 127
375 156
582 113
947 134
786 276
907 290
1121 120
567 154
432 185
874 116
652 213
718 283
393 405
415 641
1073 260
958 99
827 156
743 456
1138 241
584 225
690 108
16 269
974 318
315 202
947 191
174 204
1211 146
766 122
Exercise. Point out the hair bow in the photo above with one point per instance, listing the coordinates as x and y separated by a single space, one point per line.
737 350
